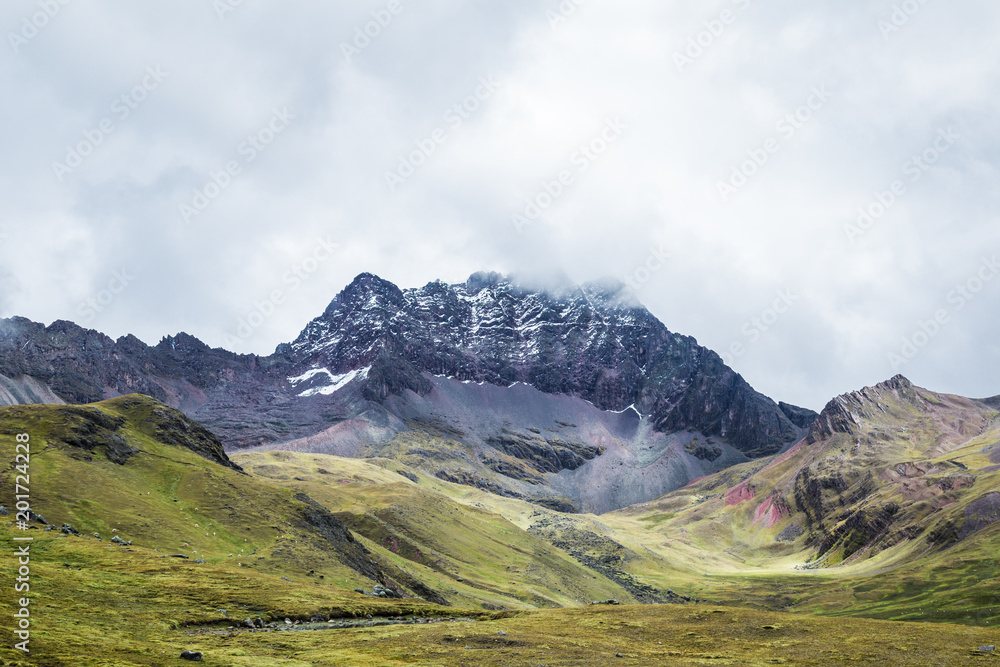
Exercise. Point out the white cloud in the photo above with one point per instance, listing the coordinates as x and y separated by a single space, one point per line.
655 186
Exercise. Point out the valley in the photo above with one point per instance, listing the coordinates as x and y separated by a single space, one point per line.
708 572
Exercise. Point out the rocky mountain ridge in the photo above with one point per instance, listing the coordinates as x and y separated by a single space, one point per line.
374 366
593 341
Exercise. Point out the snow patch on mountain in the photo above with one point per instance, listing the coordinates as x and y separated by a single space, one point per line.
631 407
334 382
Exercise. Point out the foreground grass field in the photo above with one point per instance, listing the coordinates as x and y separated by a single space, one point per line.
99 604
504 582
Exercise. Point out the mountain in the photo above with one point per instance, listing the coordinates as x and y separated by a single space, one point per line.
572 396
593 342
896 488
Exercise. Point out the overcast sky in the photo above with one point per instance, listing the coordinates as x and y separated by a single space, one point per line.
176 166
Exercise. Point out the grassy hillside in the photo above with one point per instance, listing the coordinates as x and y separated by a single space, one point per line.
474 556
895 516
271 528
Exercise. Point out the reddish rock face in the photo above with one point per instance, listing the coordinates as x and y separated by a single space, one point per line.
770 512
740 493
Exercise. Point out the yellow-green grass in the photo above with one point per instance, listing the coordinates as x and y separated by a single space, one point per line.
103 604
953 585
95 603
78 634
165 497
472 555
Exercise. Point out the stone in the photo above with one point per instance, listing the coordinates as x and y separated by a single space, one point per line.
383 592
249 623
194 656
4 511
197 560
987 649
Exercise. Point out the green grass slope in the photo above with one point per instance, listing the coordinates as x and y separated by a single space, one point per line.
132 469
474 555
889 509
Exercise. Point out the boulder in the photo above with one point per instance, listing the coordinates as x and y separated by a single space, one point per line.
383 592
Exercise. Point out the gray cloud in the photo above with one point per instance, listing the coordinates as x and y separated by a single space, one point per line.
690 116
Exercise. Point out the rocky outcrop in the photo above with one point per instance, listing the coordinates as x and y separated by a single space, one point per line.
801 417
90 430
848 413
338 537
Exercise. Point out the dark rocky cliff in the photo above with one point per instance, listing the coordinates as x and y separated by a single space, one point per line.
592 341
